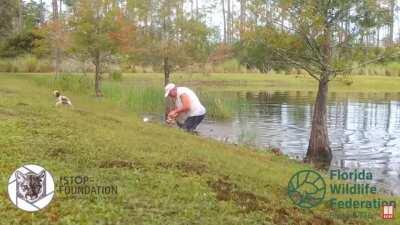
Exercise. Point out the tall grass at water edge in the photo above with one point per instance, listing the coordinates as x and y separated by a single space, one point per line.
142 99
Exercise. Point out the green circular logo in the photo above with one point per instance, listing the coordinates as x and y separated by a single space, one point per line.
306 188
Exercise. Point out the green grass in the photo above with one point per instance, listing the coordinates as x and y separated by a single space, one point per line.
142 93
140 98
164 176
262 82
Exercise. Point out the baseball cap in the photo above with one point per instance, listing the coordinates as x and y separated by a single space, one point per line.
168 88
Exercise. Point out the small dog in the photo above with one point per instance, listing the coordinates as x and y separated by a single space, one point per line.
61 100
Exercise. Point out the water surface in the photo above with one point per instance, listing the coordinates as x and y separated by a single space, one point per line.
364 129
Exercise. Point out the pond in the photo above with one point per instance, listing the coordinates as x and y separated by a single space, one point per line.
364 129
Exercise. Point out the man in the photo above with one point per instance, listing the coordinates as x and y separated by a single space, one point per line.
188 111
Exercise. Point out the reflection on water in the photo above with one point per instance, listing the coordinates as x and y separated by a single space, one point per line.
364 129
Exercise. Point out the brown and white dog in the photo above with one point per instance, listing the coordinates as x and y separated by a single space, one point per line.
61 100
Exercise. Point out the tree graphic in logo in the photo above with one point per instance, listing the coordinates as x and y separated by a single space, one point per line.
306 188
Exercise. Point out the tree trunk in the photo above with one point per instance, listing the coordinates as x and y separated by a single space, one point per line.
41 13
165 49
20 16
229 25
60 12
242 17
168 102
192 9
197 9
166 70
56 49
319 152
97 75
224 18
378 36
391 25
55 10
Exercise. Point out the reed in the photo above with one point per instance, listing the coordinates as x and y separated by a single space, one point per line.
143 98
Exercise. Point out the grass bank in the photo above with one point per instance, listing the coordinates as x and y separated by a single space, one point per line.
164 176
263 82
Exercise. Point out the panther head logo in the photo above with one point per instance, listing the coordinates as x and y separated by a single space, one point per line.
30 186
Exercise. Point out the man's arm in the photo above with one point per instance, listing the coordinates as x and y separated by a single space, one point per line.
185 106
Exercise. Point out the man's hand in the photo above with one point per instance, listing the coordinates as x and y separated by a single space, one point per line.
173 114
186 107
170 121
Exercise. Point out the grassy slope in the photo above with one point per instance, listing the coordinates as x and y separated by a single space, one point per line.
164 176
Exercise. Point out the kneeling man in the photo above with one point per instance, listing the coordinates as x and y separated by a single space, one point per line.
188 111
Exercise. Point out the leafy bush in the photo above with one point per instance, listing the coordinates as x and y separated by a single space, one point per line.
19 44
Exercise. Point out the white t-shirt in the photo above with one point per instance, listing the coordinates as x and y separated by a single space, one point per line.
196 108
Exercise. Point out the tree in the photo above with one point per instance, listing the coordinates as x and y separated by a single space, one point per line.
165 40
308 39
33 14
392 6
29 17
194 43
20 18
8 12
95 33
224 21
56 36
242 22
254 52
176 39
229 22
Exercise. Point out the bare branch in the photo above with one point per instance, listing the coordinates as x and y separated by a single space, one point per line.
298 64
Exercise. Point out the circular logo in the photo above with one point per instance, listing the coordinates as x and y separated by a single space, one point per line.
31 188
307 188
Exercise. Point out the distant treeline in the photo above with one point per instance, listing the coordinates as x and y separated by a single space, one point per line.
174 35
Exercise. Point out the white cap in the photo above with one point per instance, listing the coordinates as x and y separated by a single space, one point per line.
168 88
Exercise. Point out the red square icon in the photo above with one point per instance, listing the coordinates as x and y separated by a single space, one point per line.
387 212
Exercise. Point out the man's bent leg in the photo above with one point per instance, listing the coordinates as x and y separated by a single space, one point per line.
192 122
